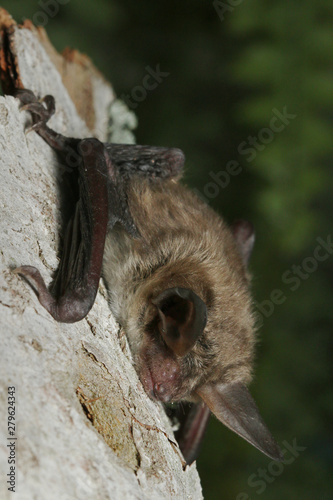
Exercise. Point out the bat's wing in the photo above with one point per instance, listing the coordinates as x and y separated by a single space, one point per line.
100 173
193 419
81 263
147 161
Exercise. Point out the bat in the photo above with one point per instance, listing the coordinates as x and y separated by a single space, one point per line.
176 276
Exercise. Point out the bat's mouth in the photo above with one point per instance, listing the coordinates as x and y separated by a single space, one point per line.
160 379
160 371
155 390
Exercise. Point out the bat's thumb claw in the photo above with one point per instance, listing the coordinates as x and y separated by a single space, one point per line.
33 277
19 270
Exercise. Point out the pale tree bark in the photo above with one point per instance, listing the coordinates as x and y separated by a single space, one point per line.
84 426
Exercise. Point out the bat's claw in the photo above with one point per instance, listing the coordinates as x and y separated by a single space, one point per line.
25 96
49 102
42 109
38 108
33 127
35 280
33 276
68 309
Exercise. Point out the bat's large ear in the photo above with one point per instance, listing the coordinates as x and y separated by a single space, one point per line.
183 317
243 232
233 405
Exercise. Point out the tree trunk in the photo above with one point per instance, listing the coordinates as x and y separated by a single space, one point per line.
84 427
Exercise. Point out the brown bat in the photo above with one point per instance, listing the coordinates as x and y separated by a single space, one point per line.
176 275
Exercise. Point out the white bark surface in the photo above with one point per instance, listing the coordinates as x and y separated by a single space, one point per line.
126 449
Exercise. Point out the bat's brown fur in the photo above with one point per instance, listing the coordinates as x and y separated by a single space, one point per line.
184 244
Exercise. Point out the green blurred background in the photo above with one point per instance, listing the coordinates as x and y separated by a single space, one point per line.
232 66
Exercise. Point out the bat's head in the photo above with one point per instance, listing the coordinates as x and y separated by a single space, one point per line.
167 350
198 344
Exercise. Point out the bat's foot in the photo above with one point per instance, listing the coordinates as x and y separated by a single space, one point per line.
41 109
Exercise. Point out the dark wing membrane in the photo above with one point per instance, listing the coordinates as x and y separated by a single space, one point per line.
81 263
148 161
193 419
